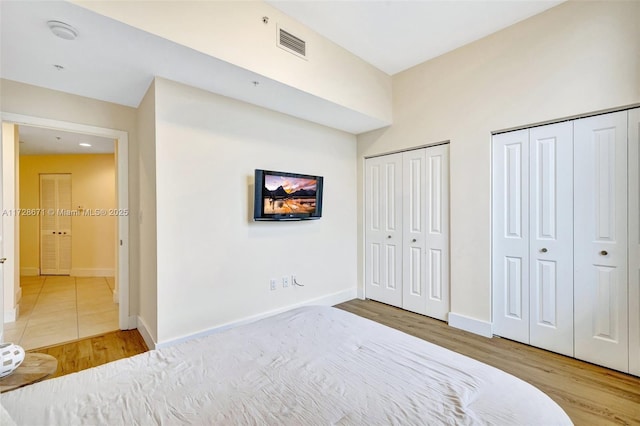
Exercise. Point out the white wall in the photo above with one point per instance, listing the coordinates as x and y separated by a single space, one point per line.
233 31
214 262
148 308
10 181
572 59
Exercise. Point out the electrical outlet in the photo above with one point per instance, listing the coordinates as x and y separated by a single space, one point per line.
285 282
272 284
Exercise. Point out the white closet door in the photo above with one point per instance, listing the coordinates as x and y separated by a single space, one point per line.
55 228
634 241
383 233
414 205
437 229
510 226
64 224
48 226
600 179
551 237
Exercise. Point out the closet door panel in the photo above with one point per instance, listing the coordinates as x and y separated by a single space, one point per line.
551 237
601 233
383 233
634 240
437 231
510 228
414 223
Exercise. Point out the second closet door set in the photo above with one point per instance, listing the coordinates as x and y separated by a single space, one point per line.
564 205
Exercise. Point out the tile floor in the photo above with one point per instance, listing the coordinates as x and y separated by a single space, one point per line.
57 309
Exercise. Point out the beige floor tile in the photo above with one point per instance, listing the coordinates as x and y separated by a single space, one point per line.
91 292
96 297
65 316
14 336
54 288
81 281
55 299
111 282
97 309
96 323
27 303
58 309
19 325
54 307
67 291
30 289
52 337
26 280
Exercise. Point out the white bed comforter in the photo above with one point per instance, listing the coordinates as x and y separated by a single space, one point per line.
309 366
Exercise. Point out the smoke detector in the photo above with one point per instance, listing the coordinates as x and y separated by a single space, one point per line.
62 30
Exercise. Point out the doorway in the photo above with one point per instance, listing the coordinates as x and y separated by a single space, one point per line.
119 282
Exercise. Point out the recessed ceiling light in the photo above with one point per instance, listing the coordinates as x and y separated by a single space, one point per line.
63 30
85 144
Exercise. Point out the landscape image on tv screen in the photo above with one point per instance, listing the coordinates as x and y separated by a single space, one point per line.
289 195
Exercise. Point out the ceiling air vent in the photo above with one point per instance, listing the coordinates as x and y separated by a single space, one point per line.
291 43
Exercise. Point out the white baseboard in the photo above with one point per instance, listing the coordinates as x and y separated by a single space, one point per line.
29 272
11 315
471 325
132 322
328 300
92 272
116 297
144 332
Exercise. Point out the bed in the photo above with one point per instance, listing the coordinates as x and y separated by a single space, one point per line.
309 366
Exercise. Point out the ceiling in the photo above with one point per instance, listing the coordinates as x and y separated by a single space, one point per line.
394 35
114 62
41 141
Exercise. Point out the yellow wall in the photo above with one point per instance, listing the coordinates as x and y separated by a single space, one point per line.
93 186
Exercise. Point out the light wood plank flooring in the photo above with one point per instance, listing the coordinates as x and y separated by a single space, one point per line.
591 395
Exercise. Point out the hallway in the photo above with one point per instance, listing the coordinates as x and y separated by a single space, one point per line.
58 309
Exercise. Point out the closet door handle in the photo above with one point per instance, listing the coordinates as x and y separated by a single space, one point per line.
388 236
604 253
414 240
543 250
3 259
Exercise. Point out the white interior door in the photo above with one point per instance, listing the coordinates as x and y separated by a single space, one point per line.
383 233
510 228
55 225
634 241
551 237
2 259
414 288
600 217
437 229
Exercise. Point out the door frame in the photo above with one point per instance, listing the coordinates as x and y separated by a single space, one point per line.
122 188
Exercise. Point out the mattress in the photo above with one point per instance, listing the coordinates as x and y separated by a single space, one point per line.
309 366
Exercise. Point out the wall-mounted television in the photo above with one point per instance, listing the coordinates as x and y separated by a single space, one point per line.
287 196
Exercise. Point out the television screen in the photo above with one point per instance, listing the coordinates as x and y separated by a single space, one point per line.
287 196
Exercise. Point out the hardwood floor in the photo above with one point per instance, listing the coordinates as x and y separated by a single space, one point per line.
94 351
591 395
